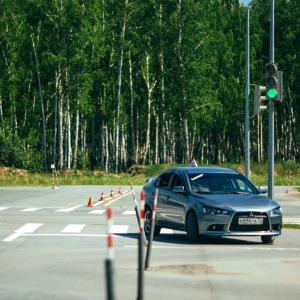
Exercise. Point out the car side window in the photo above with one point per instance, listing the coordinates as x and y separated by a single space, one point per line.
177 181
163 180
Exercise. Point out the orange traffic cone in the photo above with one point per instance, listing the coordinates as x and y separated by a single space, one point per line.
120 191
142 195
112 194
90 203
102 197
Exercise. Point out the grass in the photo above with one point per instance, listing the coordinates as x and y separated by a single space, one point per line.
285 174
291 226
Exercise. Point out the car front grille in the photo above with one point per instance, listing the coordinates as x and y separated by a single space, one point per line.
236 227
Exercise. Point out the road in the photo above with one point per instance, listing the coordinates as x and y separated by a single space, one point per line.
52 246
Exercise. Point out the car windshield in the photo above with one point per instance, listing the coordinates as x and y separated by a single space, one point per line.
221 183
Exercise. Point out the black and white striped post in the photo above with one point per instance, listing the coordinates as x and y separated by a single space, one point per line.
151 231
110 255
287 190
54 174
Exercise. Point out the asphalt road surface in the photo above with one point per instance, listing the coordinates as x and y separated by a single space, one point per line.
53 246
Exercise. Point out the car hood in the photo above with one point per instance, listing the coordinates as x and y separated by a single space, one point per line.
239 202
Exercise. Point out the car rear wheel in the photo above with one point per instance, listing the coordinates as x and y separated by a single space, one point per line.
267 239
148 222
192 228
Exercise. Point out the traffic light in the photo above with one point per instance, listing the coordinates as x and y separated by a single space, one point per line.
271 81
258 98
280 86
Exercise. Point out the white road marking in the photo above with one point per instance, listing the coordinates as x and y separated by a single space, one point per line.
73 228
32 209
68 209
27 228
97 212
120 228
166 230
3 208
129 212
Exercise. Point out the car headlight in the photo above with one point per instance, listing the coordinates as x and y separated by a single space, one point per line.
214 211
276 211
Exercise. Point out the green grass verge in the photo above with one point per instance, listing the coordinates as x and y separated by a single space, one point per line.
291 226
287 173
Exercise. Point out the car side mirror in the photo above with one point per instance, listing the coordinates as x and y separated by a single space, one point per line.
178 189
262 189
148 180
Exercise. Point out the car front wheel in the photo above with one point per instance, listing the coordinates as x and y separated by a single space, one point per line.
192 228
148 222
267 239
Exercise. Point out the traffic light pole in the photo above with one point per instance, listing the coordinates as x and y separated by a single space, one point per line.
271 114
247 121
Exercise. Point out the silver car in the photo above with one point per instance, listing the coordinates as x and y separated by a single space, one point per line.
211 201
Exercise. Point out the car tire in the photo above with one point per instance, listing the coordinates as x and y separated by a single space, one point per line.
267 239
148 222
192 228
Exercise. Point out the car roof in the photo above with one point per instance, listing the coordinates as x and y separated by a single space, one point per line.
194 170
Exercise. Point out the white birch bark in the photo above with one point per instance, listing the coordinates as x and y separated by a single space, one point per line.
44 141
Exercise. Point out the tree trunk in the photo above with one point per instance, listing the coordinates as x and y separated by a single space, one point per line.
44 141
150 87
61 164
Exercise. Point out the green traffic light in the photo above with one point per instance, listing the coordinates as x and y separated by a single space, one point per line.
272 93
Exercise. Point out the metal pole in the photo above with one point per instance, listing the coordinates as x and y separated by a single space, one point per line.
271 114
140 295
110 256
247 122
151 235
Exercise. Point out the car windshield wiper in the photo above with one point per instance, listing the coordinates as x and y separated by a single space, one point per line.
238 192
204 192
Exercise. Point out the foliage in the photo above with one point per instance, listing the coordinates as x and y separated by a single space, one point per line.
117 85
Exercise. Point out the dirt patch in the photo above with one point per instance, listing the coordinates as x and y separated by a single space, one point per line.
187 269
5 171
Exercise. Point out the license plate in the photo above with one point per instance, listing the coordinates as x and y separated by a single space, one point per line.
250 221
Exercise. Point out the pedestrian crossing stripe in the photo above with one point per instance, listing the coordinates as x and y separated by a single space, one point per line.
68 209
286 220
97 212
32 209
129 212
73 228
29 229
119 228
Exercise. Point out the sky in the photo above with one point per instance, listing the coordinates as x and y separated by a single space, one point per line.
245 1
